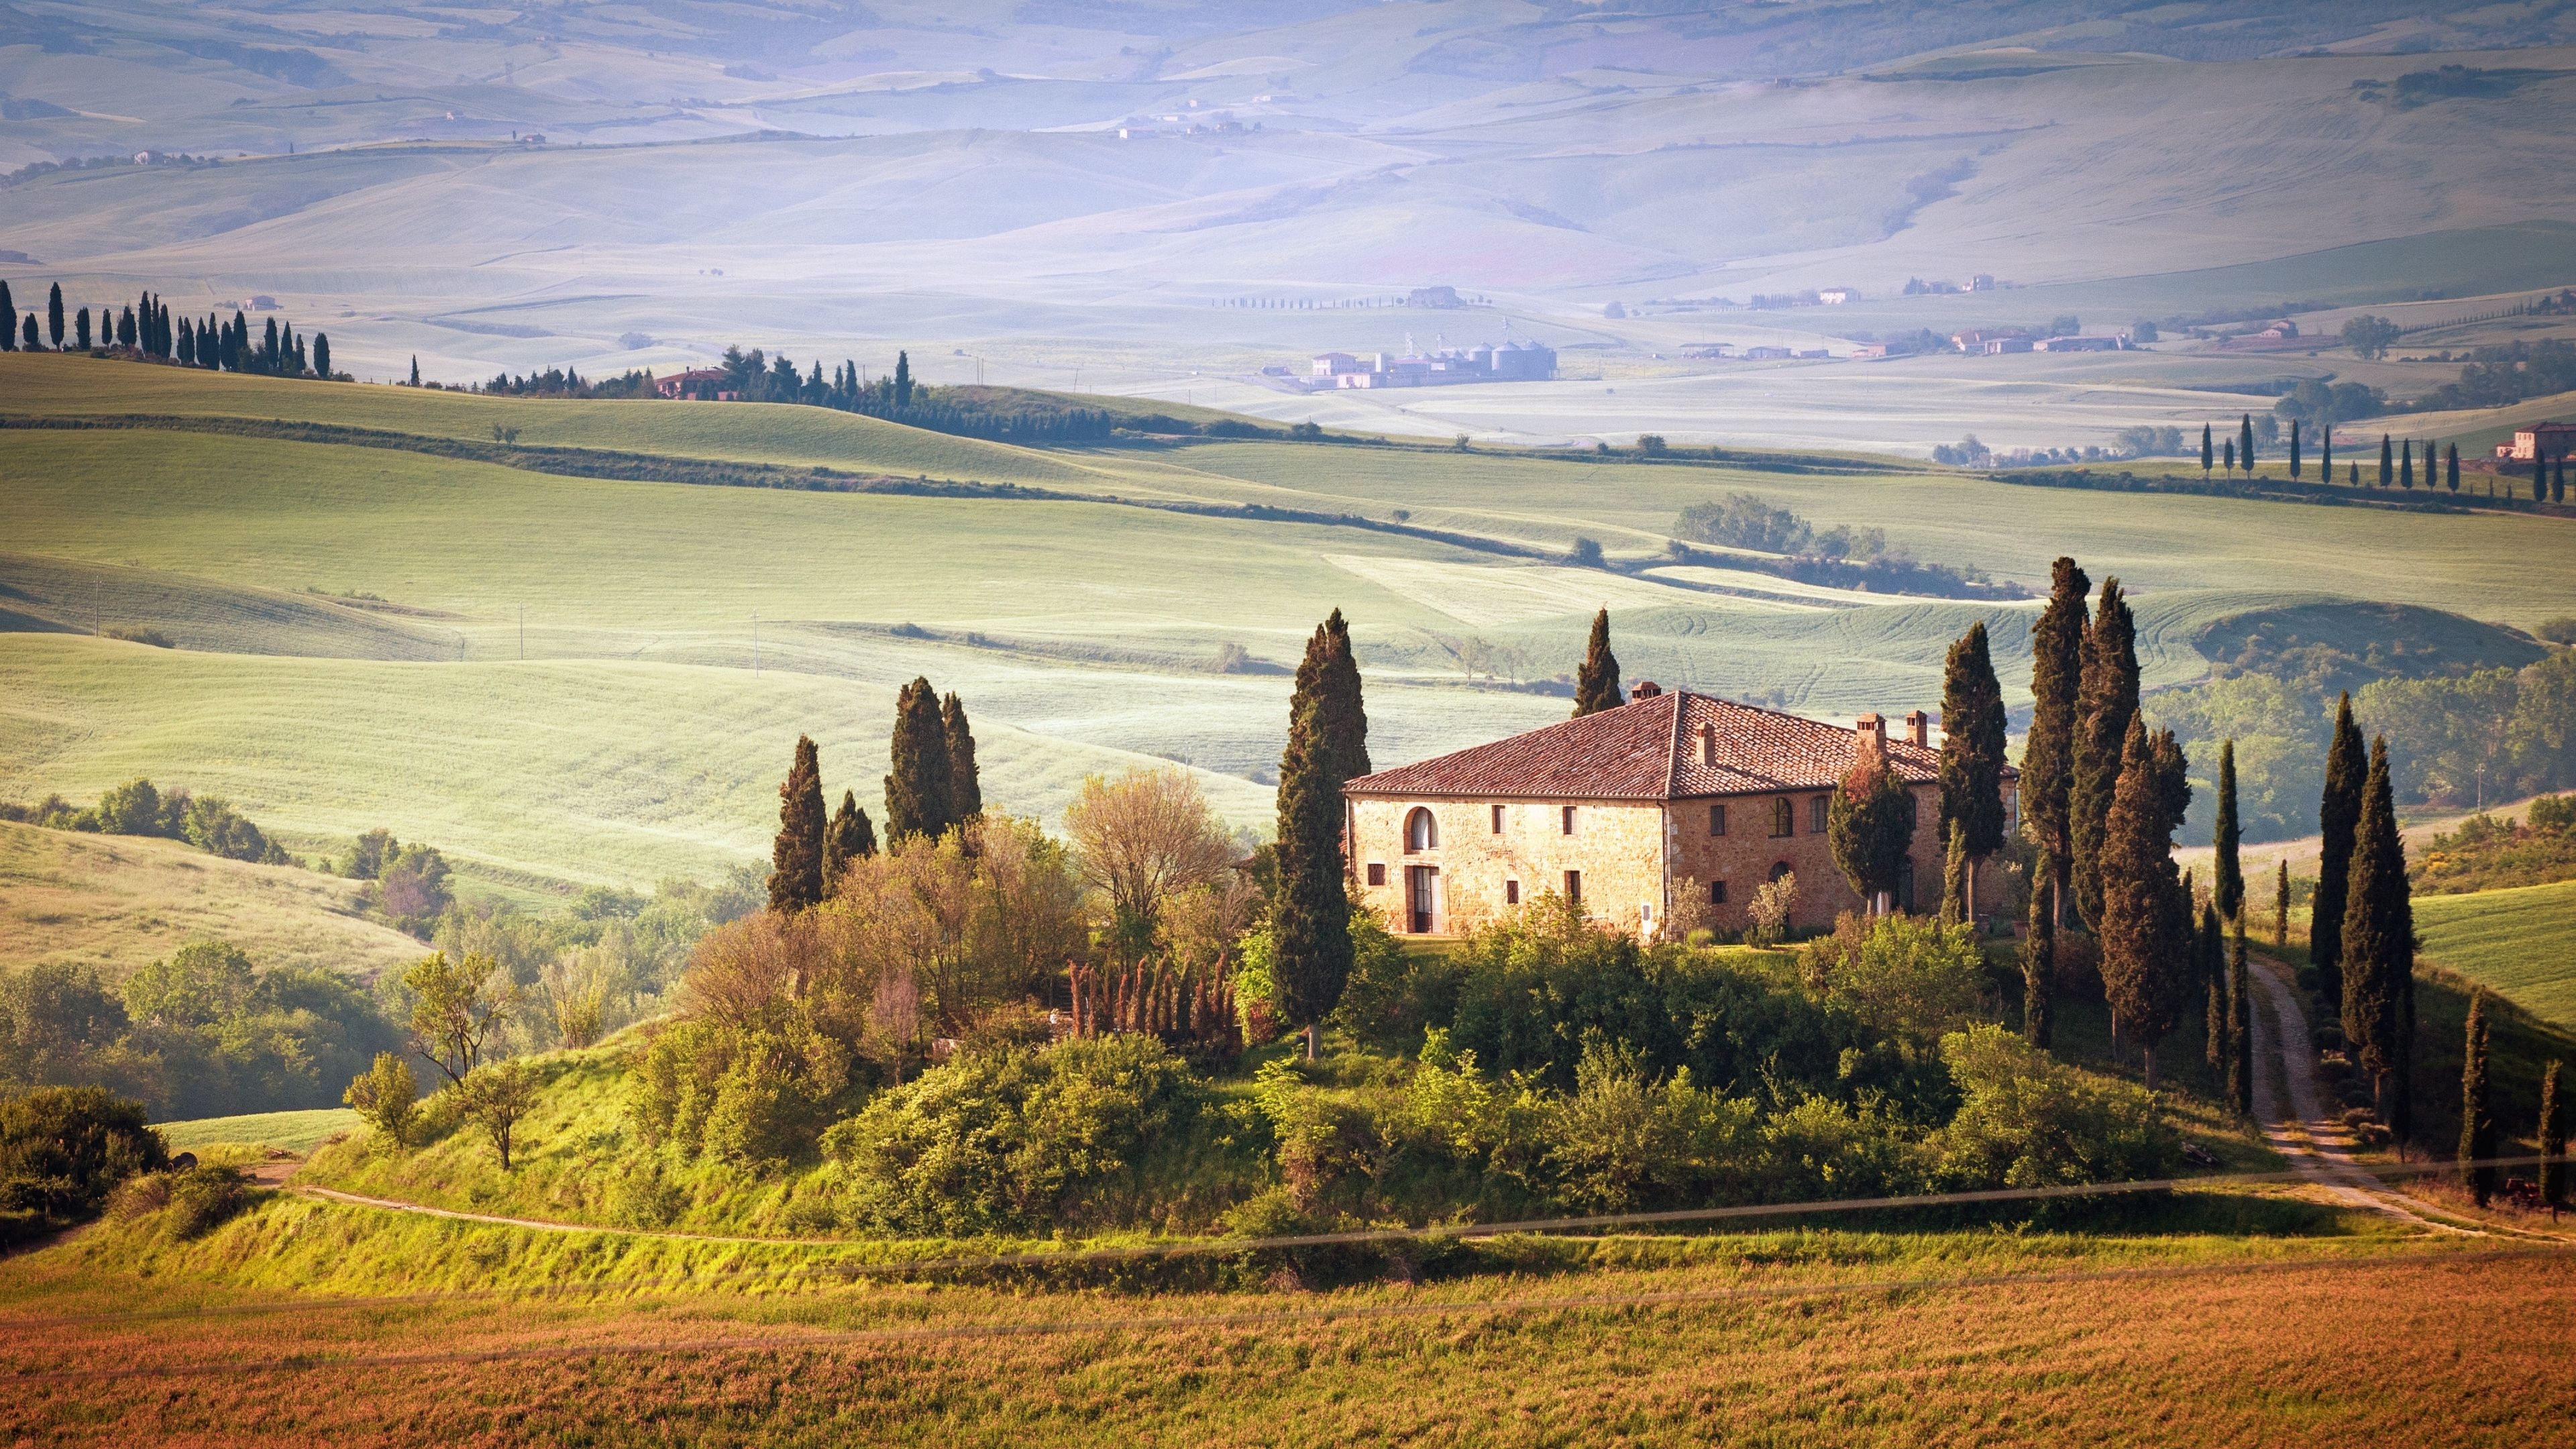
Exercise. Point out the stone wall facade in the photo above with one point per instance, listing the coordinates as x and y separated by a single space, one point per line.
1481 859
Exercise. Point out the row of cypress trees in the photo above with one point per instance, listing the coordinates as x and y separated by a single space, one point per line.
146 327
932 788
2361 926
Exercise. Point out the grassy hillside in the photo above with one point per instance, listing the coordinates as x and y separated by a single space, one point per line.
294 1131
2519 942
118 901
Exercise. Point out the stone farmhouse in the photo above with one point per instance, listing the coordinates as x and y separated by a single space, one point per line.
1671 797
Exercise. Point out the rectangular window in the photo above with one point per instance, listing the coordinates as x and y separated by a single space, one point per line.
1816 810
1717 893
1574 885
1498 820
1782 814
1511 893
1567 825
1717 818
1377 872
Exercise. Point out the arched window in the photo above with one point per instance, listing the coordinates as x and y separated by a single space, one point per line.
1783 817
1780 868
1421 832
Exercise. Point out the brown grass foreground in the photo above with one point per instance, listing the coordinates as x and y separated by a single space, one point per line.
2413 1348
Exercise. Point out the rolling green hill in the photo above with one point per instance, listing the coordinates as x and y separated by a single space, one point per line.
2521 942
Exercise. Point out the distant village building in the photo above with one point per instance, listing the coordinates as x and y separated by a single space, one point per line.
2554 440
1441 367
1837 296
1981 282
2078 344
703 384
1627 809
1765 354
1443 297
1869 351
1997 346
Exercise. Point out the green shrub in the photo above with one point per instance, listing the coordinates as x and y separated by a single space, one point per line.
2028 1120
2554 813
198 1199
1017 1139
1394 994
386 1097
1903 973
748 1095
1621 1143
64 1149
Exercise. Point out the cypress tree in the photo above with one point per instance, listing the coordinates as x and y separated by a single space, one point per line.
1972 756
1310 924
2477 1113
850 837
2387 462
2338 812
2039 962
187 343
965 783
28 339
918 792
2281 904
2227 874
80 330
1336 687
2552 1177
2294 447
2231 455
415 369
2048 753
8 320
1869 824
2352 475
2406 465
2245 443
1956 896
2379 950
54 315
2211 959
2105 707
2240 1028
2325 454
2451 466
126 336
2208 453
322 355
1596 680
796 857
2145 923
270 349
903 379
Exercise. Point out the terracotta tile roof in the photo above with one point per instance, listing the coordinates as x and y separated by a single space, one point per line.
1648 749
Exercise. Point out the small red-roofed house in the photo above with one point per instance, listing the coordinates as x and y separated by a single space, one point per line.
1630 811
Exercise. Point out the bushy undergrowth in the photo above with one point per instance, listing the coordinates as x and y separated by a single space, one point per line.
2483 853
63 1150
137 808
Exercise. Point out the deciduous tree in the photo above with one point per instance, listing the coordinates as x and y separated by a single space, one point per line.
457 1007
385 1097
1142 839
498 1097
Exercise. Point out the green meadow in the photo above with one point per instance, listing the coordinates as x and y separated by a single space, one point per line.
2519 942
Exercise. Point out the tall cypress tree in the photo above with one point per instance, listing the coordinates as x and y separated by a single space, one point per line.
2387 462
54 316
2210 956
2231 456
415 369
126 336
1596 679
2379 950
2451 466
2208 451
322 355
2245 443
8 320
2294 447
1310 922
2325 454
1958 896
80 330
2048 753
2105 706
850 837
2240 1028
2145 921
2039 965
796 856
903 379
2406 465
2477 1111
27 336
2552 1177
2227 874
2338 812
965 784
918 790
1972 755
1336 687
2281 903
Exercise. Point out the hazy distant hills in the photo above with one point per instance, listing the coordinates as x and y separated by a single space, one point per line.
952 177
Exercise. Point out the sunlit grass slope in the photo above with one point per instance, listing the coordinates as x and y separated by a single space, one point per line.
2521 942
118 901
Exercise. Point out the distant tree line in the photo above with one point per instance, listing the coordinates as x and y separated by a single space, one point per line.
144 328
1837 557
137 808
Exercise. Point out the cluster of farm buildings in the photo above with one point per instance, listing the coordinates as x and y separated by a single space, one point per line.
1509 361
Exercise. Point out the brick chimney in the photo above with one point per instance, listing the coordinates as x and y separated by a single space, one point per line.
1645 689
1918 728
1872 732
